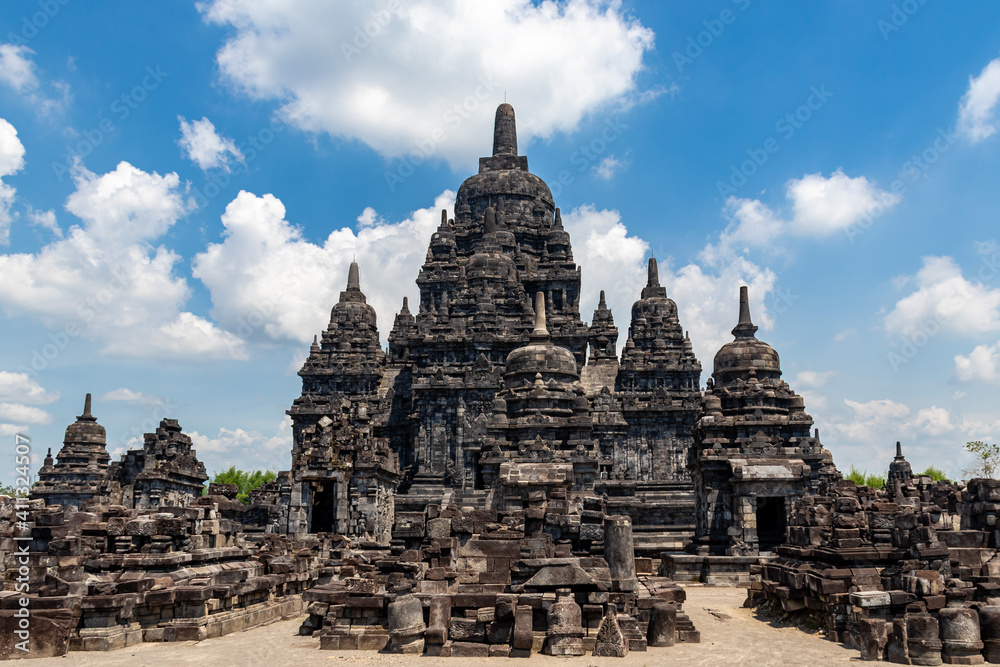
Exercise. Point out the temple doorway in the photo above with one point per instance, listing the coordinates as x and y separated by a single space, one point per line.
322 514
771 522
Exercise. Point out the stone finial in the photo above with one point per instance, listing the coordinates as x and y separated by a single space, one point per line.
540 332
86 416
653 288
353 277
745 328
899 450
315 344
504 131
444 217
353 291
602 305
558 221
406 306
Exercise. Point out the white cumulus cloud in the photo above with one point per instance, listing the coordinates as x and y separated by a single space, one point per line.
425 75
945 300
820 206
866 433
609 260
616 262
46 220
23 414
205 147
708 302
608 167
132 397
11 162
107 280
813 379
21 388
254 450
977 110
19 71
982 364
266 279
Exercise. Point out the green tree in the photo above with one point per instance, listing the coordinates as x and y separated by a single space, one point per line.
14 492
864 478
855 475
985 457
935 474
873 481
245 481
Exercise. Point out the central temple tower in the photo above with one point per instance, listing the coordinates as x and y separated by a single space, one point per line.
490 376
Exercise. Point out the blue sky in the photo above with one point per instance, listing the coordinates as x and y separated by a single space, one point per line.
184 184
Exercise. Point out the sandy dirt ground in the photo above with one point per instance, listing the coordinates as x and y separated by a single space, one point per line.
730 636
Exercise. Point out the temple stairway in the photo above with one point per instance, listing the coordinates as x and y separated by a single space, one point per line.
662 516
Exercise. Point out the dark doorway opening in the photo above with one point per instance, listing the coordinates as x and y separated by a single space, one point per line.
322 508
771 522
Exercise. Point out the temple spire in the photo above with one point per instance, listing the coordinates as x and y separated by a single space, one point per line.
353 292
541 332
86 416
653 288
504 131
353 277
602 304
745 328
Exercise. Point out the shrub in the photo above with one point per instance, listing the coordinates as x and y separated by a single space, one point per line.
935 474
864 478
245 481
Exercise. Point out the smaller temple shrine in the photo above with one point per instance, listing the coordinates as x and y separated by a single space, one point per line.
539 436
343 479
754 455
81 467
165 472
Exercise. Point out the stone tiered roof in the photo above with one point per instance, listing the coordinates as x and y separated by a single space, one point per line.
658 354
81 467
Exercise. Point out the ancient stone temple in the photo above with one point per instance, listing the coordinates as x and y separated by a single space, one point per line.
165 472
480 378
539 435
499 482
81 466
754 454
343 478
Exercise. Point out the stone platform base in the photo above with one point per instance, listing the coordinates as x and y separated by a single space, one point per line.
188 629
709 570
224 623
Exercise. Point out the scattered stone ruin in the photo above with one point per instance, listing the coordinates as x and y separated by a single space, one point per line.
554 574
909 574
